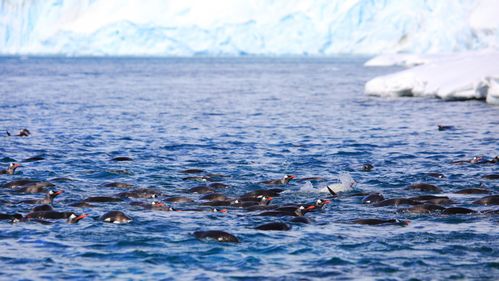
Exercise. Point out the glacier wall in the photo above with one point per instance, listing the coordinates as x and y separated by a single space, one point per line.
244 27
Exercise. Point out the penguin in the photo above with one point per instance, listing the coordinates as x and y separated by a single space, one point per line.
117 217
280 226
11 169
283 181
220 236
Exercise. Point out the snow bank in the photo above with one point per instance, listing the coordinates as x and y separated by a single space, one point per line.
473 75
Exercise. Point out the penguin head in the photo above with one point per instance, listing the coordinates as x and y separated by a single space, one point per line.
73 218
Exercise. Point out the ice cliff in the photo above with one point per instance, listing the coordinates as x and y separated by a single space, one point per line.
244 27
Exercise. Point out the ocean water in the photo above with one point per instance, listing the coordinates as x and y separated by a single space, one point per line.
250 119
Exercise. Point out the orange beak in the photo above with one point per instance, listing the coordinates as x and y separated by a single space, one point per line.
81 217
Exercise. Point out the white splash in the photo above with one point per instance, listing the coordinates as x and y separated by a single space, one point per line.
347 183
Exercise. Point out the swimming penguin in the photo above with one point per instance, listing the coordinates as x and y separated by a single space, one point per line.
179 199
318 205
62 179
215 197
491 177
121 159
34 187
218 185
458 211
381 222
274 226
367 167
49 198
422 209
432 199
260 201
445 127
17 183
373 198
296 212
396 202
140 193
42 208
436 175
473 191
102 199
283 181
273 192
34 159
221 203
119 185
154 205
10 217
474 160
200 190
81 204
211 210
197 178
53 215
11 169
425 187
220 236
192 171
488 200
260 208
22 133
73 218
115 217
300 220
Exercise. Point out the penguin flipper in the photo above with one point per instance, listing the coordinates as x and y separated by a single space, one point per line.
332 192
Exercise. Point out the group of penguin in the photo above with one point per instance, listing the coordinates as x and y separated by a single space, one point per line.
257 202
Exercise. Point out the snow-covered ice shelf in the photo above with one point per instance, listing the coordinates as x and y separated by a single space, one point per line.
469 75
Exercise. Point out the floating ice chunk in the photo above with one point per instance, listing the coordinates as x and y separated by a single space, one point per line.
472 75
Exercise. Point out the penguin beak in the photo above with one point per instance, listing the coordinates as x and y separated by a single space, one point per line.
223 211
269 198
310 208
81 217
58 192
292 177
17 165
326 201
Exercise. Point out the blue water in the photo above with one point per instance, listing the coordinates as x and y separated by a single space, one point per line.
252 120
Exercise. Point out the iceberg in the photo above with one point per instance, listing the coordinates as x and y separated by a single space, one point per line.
244 27
468 75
